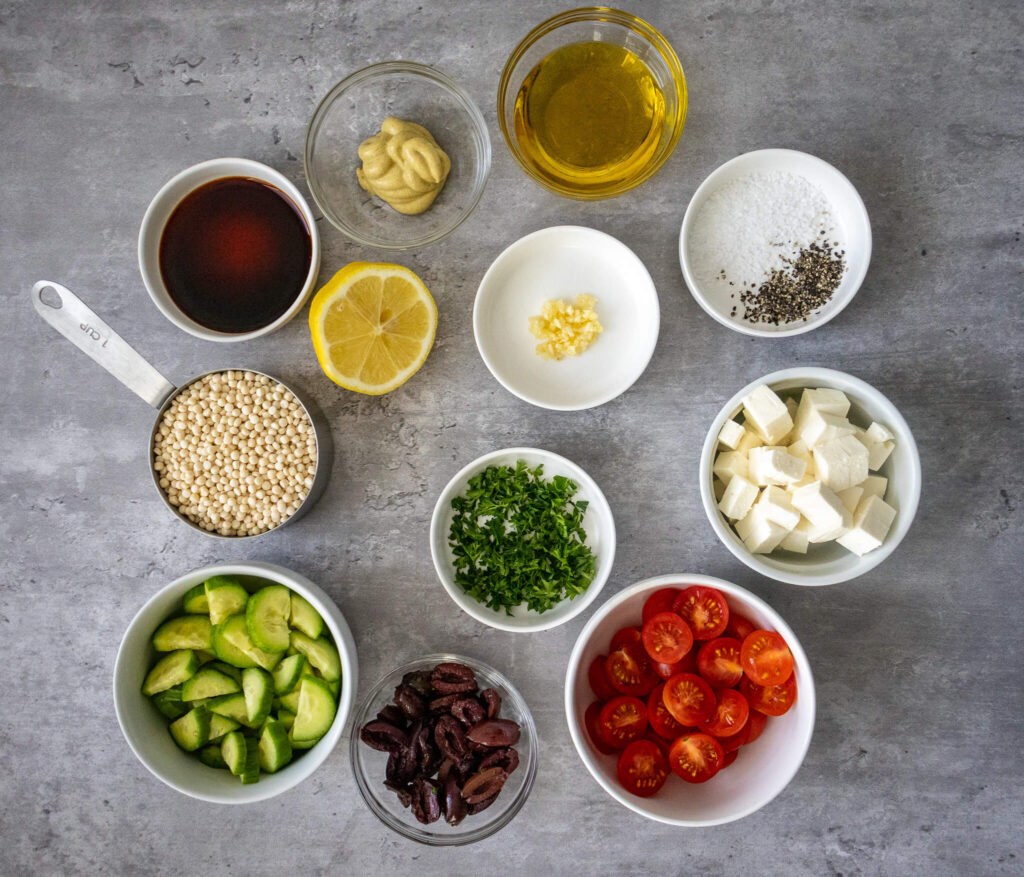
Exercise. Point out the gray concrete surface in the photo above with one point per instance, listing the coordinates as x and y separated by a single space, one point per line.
916 763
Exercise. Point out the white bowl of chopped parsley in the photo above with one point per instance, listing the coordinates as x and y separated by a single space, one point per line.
522 539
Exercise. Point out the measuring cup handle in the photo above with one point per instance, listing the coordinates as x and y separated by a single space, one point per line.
70 316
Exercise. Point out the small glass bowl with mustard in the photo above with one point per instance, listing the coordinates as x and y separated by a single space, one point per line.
397 155
592 102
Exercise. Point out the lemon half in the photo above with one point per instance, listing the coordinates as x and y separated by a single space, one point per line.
373 325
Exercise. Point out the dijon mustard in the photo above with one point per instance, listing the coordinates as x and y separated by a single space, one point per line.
403 166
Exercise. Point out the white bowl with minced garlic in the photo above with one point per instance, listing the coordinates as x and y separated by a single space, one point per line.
810 476
570 290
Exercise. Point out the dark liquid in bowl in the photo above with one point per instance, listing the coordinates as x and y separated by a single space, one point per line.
235 254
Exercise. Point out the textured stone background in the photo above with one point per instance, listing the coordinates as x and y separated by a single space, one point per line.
916 761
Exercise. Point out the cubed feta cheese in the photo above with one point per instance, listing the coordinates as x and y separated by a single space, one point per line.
773 465
767 414
878 453
875 485
819 504
739 496
731 435
842 462
749 441
760 535
796 539
819 427
878 433
775 504
851 496
730 463
871 525
823 533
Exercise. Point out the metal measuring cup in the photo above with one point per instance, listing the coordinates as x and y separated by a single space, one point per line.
70 316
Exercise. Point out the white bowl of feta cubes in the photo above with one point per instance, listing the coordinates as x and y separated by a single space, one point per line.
810 476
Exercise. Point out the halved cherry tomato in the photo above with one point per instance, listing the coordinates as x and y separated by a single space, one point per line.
592 719
687 665
599 683
660 719
666 637
624 637
696 757
689 699
730 715
766 658
739 626
718 661
629 670
643 768
704 609
755 725
659 601
622 721
661 742
730 757
772 700
731 744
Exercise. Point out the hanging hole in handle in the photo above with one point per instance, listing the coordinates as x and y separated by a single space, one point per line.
51 298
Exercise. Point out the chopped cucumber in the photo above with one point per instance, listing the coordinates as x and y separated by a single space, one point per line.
231 706
287 673
251 772
192 730
335 688
204 656
236 634
266 618
208 683
194 601
225 596
275 749
211 756
321 653
220 725
258 687
286 718
227 652
232 750
228 670
171 670
186 632
169 703
290 701
305 618
316 710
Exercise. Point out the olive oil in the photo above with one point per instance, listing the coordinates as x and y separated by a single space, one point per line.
589 117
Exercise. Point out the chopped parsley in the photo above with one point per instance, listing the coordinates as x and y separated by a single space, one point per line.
518 538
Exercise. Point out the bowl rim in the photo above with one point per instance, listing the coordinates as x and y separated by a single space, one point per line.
158 212
598 502
635 24
411 832
343 640
551 231
818 377
573 670
709 183
374 71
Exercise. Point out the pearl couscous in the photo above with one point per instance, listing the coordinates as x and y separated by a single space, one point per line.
566 329
235 453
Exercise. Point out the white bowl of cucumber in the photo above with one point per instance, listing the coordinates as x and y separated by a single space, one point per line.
234 682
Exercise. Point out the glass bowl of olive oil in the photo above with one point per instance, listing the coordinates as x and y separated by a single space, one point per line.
592 102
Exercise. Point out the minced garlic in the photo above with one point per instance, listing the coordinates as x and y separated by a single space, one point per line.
566 329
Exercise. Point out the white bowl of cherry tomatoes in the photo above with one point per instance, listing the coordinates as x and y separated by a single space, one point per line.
690 700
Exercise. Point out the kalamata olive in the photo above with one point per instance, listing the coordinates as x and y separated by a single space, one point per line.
427 757
493 701
418 679
473 809
468 711
401 767
410 701
483 785
495 732
450 738
454 804
425 804
452 678
507 759
464 769
443 704
383 736
444 769
392 715
404 792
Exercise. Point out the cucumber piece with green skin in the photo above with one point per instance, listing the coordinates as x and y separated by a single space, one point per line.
266 618
170 704
220 725
305 618
232 750
192 730
204 656
228 670
225 597
258 688
316 710
184 632
231 706
287 673
208 683
251 771
290 701
211 756
226 651
321 653
275 749
236 633
286 718
171 670
194 602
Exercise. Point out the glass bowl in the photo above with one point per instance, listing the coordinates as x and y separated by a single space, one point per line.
369 764
595 24
353 111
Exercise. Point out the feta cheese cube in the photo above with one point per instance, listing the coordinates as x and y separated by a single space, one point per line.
731 435
871 525
875 485
730 463
878 433
739 496
767 414
851 496
772 465
749 441
819 427
792 407
819 504
878 453
842 462
760 535
796 539
823 533
775 504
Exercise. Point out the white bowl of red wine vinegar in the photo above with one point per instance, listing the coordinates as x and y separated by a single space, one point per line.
229 250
